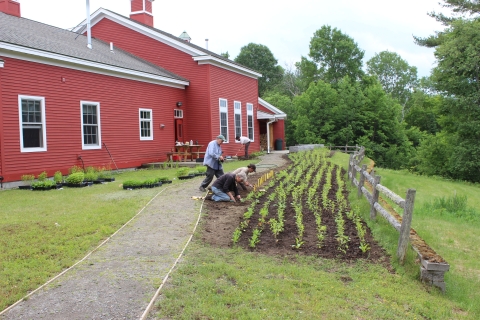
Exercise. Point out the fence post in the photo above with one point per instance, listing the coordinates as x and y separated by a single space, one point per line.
375 193
350 166
406 224
362 180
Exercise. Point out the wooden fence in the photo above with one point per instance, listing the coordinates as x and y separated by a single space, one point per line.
346 149
430 272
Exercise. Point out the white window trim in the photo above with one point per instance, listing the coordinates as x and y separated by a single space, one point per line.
237 111
44 123
140 123
223 110
91 147
250 113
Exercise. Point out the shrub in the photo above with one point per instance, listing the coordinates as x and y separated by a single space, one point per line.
182 172
44 184
201 169
76 178
28 179
91 176
58 177
42 176
75 169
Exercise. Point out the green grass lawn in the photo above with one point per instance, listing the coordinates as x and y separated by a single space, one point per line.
236 284
44 232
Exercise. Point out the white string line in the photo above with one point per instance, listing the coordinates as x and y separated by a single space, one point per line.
155 296
64 271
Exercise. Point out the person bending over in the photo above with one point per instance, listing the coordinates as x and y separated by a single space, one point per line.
225 187
246 142
248 169
213 160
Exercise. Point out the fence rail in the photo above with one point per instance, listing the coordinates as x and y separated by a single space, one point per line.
346 149
432 273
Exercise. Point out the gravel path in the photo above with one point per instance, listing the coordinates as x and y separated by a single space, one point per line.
118 280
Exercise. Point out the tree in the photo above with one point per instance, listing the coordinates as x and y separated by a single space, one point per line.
457 75
259 58
336 55
397 77
284 103
225 54
460 8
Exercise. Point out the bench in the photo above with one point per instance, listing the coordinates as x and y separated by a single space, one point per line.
198 154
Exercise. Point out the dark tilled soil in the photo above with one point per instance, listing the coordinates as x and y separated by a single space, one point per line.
222 218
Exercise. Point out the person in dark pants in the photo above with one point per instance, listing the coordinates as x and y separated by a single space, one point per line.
213 160
246 142
225 187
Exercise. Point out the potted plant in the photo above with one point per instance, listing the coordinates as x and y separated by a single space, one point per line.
100 175
183 173
164 180
43 185
132 184
201 171
90 175
58 178
27 181
107 174
76 180
151 183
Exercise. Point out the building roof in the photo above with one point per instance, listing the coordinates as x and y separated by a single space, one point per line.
276 113
202 55
31 38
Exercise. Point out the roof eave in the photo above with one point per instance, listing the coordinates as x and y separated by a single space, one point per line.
226 65
177 44
34 55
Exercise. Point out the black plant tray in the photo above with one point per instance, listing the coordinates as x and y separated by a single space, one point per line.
186 177
25 187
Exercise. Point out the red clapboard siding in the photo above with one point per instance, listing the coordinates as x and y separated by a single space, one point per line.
233 87
120 100
196 124
207 83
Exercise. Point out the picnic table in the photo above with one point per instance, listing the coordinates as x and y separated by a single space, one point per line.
186 151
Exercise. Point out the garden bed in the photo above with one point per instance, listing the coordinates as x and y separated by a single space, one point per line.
224 218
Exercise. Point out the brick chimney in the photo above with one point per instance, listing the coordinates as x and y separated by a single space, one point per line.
10 7
142 11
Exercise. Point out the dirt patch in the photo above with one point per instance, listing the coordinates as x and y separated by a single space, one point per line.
222 218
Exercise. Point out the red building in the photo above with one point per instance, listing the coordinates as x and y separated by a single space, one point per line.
122 96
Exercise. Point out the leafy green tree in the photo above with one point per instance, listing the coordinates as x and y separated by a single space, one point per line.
457 75
284 103
259 58
424 111
225 54
336 55
397 77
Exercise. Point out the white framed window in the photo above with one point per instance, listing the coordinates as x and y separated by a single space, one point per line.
250 121
224 118
91 132
178 113
237 108
146 124
33 132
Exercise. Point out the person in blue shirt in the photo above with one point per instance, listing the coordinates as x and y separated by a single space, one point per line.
213 160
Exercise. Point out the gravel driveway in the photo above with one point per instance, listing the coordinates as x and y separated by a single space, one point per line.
119 279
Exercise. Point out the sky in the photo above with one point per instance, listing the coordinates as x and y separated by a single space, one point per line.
285 27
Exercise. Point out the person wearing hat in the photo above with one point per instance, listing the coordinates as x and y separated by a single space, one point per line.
248 169
213 160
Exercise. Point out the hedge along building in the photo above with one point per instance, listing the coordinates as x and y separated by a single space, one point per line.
123 97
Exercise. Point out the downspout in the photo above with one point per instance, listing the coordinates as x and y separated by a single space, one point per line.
89 33
268 133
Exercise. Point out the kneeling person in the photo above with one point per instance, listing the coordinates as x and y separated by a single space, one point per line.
225 187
